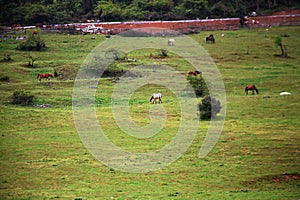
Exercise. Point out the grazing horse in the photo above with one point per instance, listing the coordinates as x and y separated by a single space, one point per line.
251 87
210 39
46 76
171 42
154 97
195 73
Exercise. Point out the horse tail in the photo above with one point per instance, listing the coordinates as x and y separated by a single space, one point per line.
255 88
246 89
38 76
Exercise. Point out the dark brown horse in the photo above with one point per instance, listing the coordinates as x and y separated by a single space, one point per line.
210 39
251 87
195 73
46 76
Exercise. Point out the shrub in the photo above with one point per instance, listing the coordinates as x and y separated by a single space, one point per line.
32 43
7 58
31 60
163 53
198 84
209 107
113 71
4 79
22 97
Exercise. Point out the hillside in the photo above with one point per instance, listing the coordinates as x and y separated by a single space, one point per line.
42 154
56 11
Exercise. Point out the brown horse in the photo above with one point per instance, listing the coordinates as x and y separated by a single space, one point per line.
195 73
251 87
210 39
46 76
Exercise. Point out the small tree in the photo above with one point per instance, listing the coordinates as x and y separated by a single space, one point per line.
278 42
209 107
198 84
31 60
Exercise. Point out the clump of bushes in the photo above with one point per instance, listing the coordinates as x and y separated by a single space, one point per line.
33 42
22 97
209 107
198 84
113 71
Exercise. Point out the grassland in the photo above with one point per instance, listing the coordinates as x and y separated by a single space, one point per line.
256 157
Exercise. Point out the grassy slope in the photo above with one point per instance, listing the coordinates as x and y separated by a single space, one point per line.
43 157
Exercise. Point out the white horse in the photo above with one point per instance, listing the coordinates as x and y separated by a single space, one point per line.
154 97
171 42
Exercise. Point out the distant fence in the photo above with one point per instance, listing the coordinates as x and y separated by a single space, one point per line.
183 26
274 20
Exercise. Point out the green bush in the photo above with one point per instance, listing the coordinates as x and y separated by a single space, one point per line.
32 43
209 107
22 97
113 71
198 84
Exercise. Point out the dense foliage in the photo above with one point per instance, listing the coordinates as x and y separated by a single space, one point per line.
30 12
33 42
209 107
22 97
198 84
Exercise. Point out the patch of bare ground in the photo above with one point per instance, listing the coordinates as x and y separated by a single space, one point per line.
273 179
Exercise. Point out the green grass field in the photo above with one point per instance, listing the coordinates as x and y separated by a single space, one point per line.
257 155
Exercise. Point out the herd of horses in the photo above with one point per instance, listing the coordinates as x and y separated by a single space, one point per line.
158 96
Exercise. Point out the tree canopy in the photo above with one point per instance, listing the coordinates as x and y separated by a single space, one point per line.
30 12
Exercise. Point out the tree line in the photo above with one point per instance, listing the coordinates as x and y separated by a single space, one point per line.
30 12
